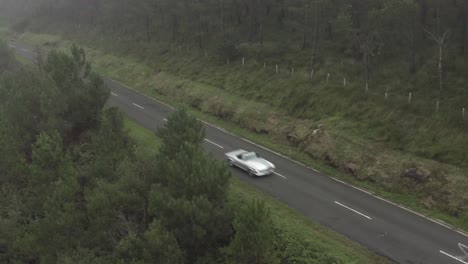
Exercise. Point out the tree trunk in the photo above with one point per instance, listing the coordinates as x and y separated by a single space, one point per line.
314 49
200 32
412 67
175 25
282 14
260 17
330 30
366 65
306 26
440 70
463 18
223 28
147 28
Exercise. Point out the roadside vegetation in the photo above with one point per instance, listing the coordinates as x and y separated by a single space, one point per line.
80 184
358 91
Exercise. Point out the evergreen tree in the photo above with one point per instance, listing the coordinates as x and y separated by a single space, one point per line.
190 199
253 241
161 246
180 128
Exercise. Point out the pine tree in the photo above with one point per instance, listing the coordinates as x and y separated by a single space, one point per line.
253 241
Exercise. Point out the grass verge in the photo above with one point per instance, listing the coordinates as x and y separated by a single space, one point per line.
302 239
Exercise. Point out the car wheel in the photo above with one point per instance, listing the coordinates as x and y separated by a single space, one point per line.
251 173
231 163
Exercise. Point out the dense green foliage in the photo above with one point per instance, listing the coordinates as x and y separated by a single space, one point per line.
76 189
73 187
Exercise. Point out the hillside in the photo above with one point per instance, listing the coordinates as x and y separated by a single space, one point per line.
364 72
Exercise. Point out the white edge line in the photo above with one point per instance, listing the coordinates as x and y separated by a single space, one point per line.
219 146
114 94
280 175
217 127
351 209
453 257
139 106
439 222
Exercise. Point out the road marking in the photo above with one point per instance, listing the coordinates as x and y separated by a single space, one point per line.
453 257
280 175
219 146
463 249
114 94
12 46
139 106
217 127
25 50
164 119
351 209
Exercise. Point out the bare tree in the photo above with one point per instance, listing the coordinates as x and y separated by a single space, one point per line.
260 9
223 26
306 26
463 18
369 46
440 39
314 47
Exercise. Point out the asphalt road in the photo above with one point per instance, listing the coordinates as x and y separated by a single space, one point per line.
381 226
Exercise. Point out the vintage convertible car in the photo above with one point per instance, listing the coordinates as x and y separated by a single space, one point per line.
250 162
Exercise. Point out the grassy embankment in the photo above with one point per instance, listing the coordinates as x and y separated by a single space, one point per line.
303 239
174 76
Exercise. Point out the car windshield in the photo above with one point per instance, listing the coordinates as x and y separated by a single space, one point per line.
250 156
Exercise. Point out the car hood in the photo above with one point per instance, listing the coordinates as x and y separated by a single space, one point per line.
260 164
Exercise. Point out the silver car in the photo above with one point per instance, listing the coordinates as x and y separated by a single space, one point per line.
250 162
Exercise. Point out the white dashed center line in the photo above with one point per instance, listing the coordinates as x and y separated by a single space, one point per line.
12 46
139 106
277 174
219 146
114 94
351 209
453 257
164 119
